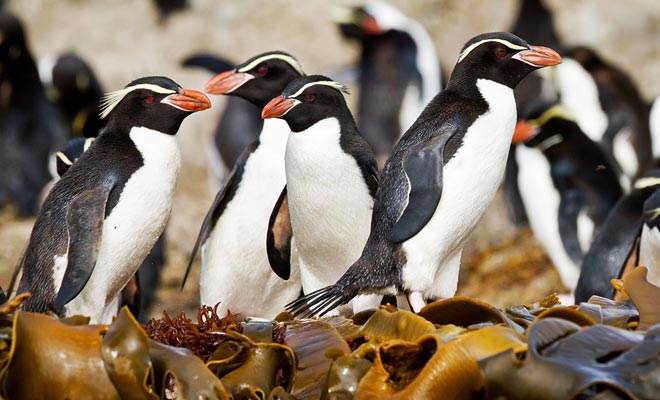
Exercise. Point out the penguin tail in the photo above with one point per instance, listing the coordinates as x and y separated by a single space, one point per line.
320 302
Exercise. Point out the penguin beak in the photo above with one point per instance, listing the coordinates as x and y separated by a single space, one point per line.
188 100
523 132
278 107
371 27
538 56
227 82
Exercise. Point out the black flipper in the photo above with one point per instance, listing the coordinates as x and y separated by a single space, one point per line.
225 194
423 167
210 63
278 237
84 219
569 210
610 249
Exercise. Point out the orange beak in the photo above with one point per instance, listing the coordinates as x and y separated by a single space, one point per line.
370 26
523 132
539 56
278 107
227 82
189 100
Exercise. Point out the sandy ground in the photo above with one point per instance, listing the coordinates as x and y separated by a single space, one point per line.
122 41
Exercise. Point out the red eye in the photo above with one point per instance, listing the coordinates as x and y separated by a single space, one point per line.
149 99
500 53
262 71
310 97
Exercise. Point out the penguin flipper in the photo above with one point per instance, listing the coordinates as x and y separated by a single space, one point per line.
423 167
224 195
570 204
278 237
84 219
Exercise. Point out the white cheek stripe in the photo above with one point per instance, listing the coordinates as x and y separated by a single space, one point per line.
110 100
288 59
332 84
642 183
473 46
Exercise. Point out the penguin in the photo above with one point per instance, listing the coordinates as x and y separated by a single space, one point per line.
72 85
166 8
140 295
628 237
105 214
30 127
399 71
331 181
654 127
235 269
439 179
567 185
608 107
239 125
535 23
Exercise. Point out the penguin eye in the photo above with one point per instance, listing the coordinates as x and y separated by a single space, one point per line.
262 71
310 97
149 99
500 53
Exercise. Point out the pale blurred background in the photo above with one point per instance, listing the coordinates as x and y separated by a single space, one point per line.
123 40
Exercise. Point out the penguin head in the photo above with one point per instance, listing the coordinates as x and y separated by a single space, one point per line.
501 57
154 102
258 79
308 100
73 149
374 18
544 124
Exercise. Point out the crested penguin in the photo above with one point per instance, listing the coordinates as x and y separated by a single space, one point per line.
30 127
72 85
331 181
239 125
235 269
567 185
105 214
439 179
399 72
629 237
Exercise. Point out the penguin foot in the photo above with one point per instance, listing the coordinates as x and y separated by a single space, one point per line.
319 302
416 301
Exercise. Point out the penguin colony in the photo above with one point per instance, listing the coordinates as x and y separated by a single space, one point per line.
316 211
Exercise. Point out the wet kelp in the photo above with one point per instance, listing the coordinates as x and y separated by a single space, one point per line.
458 348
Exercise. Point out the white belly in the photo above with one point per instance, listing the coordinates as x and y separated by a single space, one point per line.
470 180
649 254
541 200
654 123
133 226
330 204
235 267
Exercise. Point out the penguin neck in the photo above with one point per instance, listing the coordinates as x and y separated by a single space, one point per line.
24 79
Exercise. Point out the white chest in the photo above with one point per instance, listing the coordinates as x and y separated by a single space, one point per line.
236 247
541 200
329 202
136 222
470 180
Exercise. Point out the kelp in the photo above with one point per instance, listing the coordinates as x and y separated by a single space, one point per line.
565 361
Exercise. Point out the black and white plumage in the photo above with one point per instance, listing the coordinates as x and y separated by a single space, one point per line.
654 127
233 234
440 178
331 178
72 85
629 236
399 72
239 125
105 214
567 185
30 127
